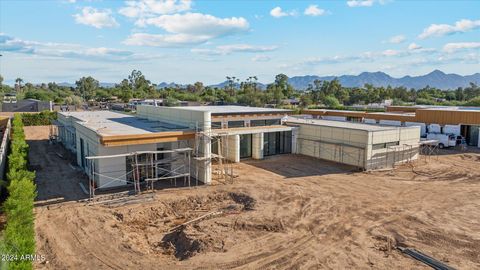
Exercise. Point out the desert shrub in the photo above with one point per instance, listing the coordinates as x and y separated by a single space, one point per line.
44 118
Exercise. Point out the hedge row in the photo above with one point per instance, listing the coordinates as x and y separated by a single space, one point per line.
44 118
19 235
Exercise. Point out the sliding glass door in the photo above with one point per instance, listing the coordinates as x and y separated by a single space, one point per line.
275 143
245 145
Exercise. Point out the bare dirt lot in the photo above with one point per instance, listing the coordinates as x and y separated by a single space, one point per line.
286 212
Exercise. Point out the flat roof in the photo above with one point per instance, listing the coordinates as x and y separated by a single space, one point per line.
232 109
440 107
340 124
108 123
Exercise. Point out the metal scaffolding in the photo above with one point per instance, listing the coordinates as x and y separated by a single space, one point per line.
220 138
146 167
401 154
429 148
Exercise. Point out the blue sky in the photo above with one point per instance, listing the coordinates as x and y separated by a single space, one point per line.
186 41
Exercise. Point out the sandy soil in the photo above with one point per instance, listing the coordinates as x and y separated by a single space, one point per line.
286 212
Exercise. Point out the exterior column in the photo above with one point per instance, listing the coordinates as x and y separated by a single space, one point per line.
205 150
257 146
232 152
294 141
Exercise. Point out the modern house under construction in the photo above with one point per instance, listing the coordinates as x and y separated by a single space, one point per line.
171 143
162 143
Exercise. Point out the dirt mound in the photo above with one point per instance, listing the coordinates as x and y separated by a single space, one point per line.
472 157
241 198
187 242
187 226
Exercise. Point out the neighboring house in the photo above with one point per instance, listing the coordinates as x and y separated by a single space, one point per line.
27 105
464 121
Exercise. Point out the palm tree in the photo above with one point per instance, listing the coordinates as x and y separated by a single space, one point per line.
18 83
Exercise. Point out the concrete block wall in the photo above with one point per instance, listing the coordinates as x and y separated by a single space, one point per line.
189 118
352 137
333 152
388 157
331 143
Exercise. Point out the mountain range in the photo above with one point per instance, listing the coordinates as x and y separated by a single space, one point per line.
436 78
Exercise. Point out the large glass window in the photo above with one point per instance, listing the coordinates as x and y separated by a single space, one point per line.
257 123
236 124
272 122
263 122
245 145
216 125
275 143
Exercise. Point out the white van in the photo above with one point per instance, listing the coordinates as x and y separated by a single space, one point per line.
444 140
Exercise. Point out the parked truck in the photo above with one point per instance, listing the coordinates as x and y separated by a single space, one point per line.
444 140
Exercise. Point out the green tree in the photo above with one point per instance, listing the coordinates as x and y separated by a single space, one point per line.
140 85
86 87
331 101
281 82
198 87
126 92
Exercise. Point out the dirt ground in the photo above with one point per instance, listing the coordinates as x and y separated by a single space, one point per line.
56 178
286 212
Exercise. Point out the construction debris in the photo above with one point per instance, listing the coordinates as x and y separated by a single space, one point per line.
435 264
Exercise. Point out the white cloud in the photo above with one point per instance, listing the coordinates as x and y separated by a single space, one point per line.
414 46
438 30
313 10
366 3
96 18
391 53
360 3
10 44
234 48
277 12
397 39
261 58
188 28
150 8
157 40
453 47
